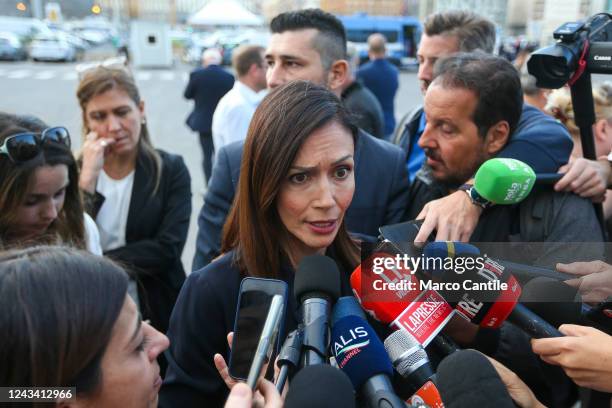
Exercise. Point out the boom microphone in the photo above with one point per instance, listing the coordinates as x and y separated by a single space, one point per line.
361 355
316 288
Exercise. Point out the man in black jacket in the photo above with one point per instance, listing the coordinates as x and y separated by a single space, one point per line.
311 45
206 87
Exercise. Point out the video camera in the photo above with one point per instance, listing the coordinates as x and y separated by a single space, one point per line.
588 44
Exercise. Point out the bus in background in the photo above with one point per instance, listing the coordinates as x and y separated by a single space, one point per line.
402 34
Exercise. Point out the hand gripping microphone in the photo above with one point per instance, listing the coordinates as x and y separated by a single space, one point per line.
316 288
321 386
362 357
466 379
411 362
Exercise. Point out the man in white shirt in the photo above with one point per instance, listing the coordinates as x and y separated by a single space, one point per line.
234 111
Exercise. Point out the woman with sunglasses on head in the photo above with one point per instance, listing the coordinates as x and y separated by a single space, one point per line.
39 193
296 182
139 196
72 324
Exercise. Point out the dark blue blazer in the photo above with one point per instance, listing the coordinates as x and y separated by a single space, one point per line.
206 86
381 193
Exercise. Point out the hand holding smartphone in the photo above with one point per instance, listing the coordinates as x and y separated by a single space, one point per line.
255 305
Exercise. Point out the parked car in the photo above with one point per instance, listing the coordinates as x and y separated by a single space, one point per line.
52 48
11 47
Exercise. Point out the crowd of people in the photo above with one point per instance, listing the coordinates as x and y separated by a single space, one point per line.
92 288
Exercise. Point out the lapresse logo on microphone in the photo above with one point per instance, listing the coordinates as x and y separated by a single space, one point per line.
350 343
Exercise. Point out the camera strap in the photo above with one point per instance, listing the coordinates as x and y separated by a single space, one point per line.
581 64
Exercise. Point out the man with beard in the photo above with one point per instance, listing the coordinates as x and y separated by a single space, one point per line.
539 140
468 123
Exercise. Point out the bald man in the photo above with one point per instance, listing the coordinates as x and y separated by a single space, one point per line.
382 78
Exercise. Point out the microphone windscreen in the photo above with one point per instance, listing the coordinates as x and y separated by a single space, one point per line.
358 350
317 276
346 306
320 385
554 301
405 352
466 379
504 181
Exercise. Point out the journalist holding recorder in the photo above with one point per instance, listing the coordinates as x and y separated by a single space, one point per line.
296 182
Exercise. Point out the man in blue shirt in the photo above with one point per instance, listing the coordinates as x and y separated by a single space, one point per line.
381 77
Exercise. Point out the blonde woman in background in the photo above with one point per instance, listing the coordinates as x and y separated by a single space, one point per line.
588 178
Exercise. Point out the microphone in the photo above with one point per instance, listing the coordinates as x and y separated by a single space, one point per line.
423 313
466 379
487 294
509 181
289 357
361 355
321 386
451 249
316 288
559 303
411 362
346 306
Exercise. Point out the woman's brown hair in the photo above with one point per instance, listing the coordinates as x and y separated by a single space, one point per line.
99 80
69 227
58 308
280 126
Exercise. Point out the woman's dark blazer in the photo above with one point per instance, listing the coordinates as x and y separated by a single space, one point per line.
203 316
155 234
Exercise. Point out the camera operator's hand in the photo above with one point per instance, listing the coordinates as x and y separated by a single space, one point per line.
587 178
594 279
585 354
266 396
454 218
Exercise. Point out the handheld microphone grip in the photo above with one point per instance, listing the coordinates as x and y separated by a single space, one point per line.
532 324
316 288
361 355
289 356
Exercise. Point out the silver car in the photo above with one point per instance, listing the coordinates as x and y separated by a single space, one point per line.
52 48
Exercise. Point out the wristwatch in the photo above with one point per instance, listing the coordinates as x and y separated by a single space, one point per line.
476 198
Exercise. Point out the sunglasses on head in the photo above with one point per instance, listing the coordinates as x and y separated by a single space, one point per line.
26 146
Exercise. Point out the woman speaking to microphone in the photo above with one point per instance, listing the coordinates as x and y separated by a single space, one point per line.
296 182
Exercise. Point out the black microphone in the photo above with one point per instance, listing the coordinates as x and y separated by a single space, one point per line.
361 355
559 303
486 293
316 288
321 386
289 357
466 379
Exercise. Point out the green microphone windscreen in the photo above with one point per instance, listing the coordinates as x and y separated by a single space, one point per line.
504 181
